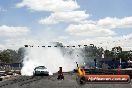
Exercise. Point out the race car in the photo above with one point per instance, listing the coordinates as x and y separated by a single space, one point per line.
41 70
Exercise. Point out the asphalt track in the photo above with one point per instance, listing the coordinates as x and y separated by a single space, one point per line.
52 82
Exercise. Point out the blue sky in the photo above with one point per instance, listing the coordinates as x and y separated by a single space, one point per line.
73 22
104 8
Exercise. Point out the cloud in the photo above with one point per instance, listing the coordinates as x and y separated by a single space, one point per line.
101 31
2 9
109 22
71 16
17 42
88 30
108 42
62 10
102 27
13 31
49 5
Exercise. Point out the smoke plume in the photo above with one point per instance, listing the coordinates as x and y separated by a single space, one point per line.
50 57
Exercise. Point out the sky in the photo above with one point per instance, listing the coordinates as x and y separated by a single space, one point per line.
105 23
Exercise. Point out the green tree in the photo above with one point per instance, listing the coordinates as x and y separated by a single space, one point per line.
8 56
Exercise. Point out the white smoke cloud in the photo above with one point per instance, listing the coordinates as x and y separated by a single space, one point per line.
52 58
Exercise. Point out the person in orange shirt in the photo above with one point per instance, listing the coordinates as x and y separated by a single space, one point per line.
81 71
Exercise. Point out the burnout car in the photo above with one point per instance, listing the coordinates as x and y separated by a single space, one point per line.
41 70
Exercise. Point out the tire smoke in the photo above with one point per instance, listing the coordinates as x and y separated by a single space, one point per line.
52 58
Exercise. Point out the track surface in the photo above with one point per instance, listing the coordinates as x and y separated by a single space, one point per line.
52 82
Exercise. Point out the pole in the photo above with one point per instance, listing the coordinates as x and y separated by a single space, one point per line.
95 63
120 62
118 69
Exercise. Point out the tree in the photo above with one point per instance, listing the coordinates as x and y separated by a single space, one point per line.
8 56
116 52
108 54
